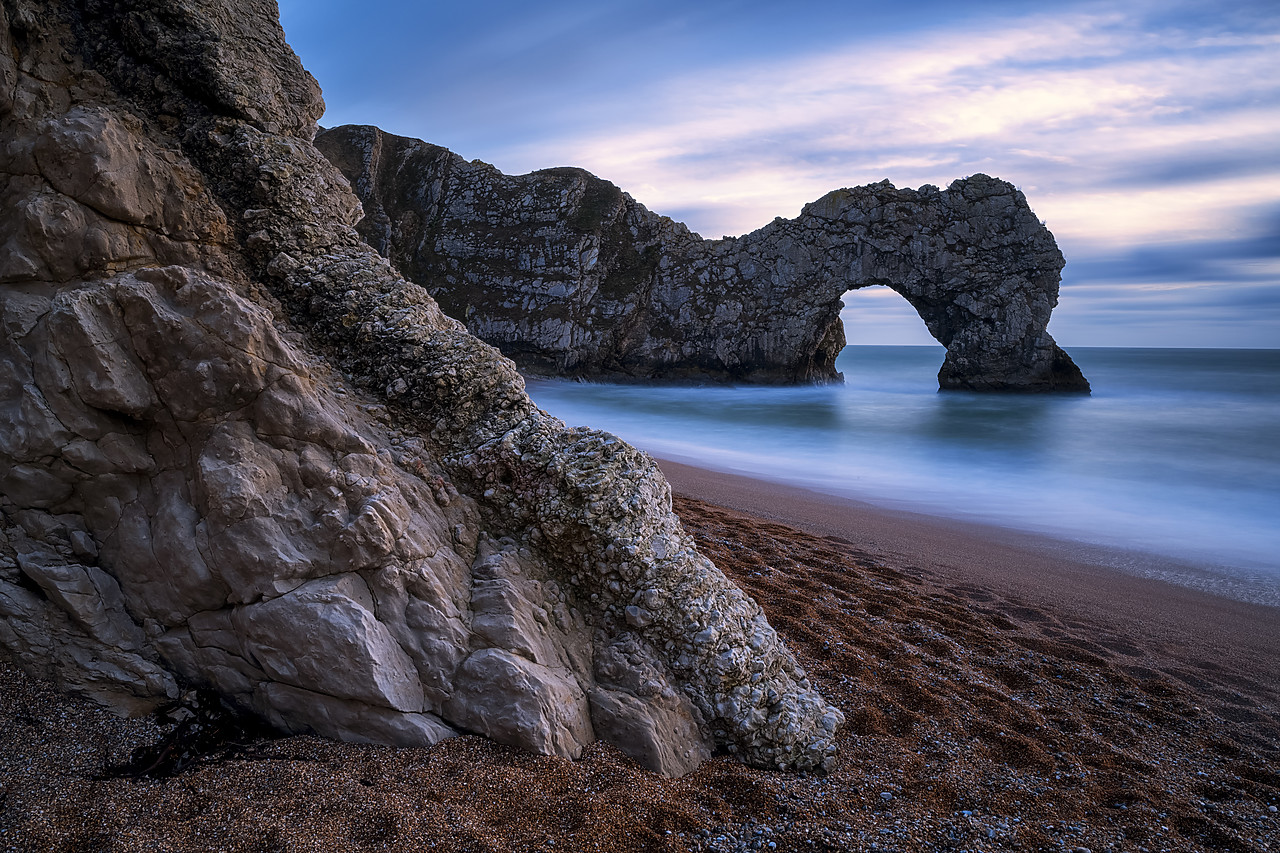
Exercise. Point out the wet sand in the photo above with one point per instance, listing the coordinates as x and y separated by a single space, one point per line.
1174 626
999 696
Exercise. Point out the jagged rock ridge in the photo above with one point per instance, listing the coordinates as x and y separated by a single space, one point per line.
570 276
237 449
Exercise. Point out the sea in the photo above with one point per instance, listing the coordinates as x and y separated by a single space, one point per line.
1170 468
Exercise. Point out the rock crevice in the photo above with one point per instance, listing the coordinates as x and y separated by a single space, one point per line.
569 276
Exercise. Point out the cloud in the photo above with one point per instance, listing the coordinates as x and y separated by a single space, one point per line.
1253 257
1151 155
1156 213
1173 311
1091 114
1144 134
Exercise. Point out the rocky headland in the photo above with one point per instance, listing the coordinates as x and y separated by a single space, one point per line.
239 451
570 276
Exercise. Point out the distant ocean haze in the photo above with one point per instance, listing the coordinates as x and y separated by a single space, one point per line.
1176 454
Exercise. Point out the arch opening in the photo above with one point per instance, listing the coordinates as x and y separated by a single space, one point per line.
877 315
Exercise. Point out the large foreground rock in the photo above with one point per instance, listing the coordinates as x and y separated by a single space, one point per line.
238 450
570 276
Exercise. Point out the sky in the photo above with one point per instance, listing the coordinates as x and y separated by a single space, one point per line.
1145 134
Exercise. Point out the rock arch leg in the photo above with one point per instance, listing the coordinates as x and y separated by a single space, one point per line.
1005 348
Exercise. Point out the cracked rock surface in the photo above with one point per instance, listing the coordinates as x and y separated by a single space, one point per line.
569 276
237 449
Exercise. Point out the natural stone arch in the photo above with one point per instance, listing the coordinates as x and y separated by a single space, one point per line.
569 275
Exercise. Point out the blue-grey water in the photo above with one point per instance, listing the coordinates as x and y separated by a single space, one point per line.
1175 454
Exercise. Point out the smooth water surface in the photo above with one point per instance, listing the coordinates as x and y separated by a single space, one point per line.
1176 452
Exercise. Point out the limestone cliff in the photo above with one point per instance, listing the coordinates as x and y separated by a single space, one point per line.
238 450
570 276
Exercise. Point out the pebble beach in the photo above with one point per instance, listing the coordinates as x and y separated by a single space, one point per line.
982 716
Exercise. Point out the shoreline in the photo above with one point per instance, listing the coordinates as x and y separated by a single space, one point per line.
1177 626
1241 581
997 698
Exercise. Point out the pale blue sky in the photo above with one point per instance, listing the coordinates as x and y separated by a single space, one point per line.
1145 134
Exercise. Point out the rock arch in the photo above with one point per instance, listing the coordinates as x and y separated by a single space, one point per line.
568 275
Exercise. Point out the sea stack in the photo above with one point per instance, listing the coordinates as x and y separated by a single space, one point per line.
238 450
570 276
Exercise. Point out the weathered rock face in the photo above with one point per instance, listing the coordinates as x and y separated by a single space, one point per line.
570 276
237 449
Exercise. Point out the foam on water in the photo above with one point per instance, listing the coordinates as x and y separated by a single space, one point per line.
1176 452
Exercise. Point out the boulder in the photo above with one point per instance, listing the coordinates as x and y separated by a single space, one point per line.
238 450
